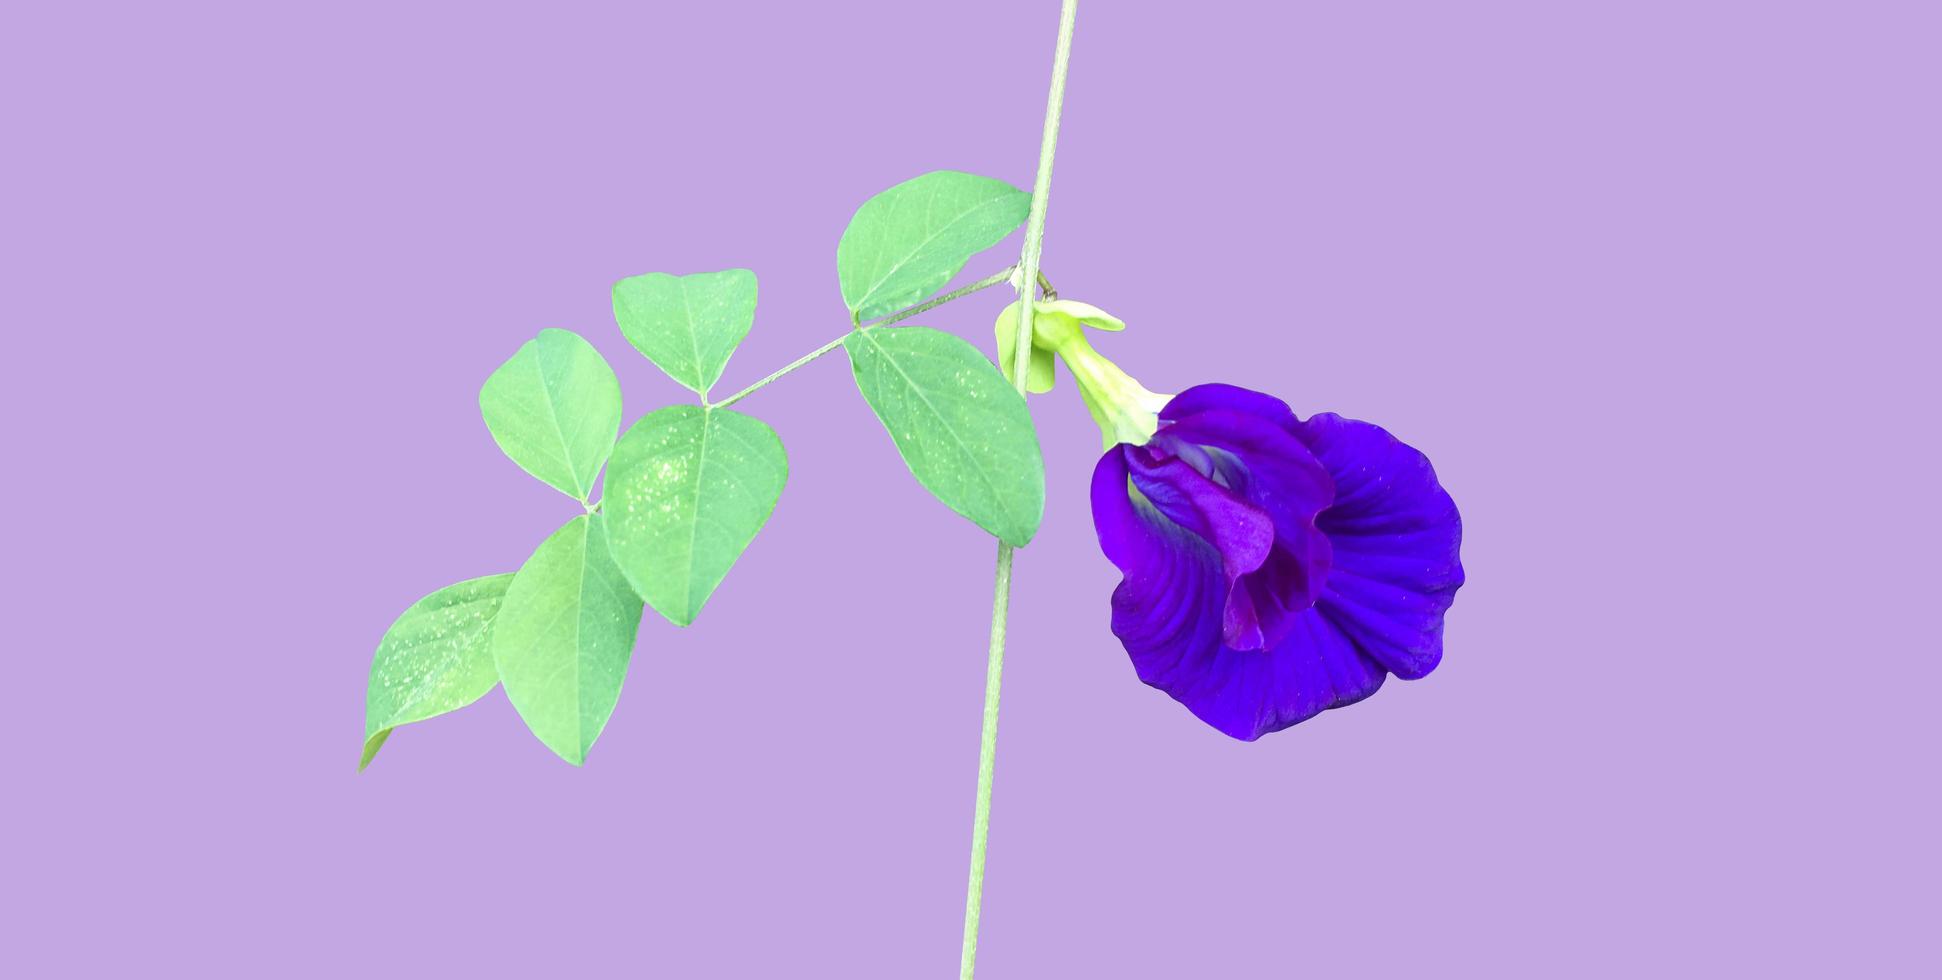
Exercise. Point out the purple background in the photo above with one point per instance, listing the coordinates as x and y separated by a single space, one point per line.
1654 284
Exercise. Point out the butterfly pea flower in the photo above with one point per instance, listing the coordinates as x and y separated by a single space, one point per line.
1272 567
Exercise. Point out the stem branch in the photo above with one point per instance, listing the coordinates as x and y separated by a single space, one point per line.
791 366
903 314
1001 585
906 313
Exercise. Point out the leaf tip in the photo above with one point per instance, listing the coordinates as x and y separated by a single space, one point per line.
675 615
372 743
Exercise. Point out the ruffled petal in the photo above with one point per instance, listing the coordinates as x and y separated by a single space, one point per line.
1167 608
1229 398
1395 534
1240 531
1273 470
1248 693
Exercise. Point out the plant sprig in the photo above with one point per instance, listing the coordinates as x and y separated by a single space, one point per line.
688 487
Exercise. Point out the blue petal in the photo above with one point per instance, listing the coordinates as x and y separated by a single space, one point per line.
1228 398
1172 606
1396 535
1265 464
1240 531
1167 608
1249 693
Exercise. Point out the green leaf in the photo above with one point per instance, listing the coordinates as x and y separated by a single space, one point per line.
687 325
564 636
963 431
688 490
437 657
554 408
904 244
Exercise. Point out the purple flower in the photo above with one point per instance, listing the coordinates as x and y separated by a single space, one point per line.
1274 567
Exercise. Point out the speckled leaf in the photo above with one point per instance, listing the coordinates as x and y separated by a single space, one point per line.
435 658
963 431
563 638
687 492
687 325
904 244
554 408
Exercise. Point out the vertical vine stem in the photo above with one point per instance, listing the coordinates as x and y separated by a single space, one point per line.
1028 266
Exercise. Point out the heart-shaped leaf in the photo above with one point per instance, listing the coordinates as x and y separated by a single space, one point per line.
904 244
963 430
688 490
554 408
687 325
564 635
437 657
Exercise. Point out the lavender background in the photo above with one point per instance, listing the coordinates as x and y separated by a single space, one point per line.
1653 283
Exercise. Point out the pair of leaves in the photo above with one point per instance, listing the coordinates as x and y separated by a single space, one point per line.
690 486
960 427
558 634
550 633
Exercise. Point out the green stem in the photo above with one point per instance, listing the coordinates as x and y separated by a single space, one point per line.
791 366
987 753
906 313
903 314
1001 585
